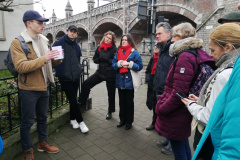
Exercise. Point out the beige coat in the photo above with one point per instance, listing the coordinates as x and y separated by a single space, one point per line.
30 71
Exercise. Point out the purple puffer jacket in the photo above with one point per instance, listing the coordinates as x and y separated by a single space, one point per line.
174 119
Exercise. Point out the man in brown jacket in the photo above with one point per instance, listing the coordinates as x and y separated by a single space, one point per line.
35 72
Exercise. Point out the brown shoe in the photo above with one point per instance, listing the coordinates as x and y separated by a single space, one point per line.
44 146
28 154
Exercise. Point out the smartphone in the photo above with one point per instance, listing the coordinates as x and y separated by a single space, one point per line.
181 95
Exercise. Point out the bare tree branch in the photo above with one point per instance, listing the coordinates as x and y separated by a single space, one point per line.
5 5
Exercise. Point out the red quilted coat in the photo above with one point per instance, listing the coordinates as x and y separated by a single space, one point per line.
174 120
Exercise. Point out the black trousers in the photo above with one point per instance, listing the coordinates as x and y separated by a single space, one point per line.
70 88
126 103
93 80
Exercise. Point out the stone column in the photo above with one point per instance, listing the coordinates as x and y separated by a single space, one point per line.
126 16
90 39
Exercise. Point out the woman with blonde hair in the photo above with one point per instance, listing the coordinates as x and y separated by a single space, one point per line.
173 119
103 56
209 108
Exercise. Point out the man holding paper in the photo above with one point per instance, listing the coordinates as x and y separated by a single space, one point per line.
34 75
68 73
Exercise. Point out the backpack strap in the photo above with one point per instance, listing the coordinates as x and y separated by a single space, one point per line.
24 45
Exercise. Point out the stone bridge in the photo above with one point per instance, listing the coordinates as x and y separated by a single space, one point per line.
121 17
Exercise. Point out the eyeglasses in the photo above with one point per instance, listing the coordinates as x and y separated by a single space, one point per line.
38 22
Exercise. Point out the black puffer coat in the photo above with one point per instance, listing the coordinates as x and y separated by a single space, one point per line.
104 59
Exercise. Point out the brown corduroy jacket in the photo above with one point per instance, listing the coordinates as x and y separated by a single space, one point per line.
30 75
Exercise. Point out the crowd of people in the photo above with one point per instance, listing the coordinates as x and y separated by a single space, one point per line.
210 105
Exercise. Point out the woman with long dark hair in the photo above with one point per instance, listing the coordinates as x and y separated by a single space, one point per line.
103 56
125 60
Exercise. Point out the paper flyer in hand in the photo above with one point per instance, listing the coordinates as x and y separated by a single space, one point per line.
59 48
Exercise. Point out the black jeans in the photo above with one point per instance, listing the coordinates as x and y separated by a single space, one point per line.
126 103
70 88
33 103
93 80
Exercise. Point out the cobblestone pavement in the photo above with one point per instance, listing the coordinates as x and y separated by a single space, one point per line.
105 141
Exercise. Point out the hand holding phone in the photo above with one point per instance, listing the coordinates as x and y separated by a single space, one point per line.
181 95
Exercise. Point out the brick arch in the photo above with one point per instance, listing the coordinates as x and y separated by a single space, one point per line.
82 26
48 33
107 20
184 10
59 30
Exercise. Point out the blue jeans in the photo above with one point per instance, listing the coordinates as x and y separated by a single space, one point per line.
181 149
33 103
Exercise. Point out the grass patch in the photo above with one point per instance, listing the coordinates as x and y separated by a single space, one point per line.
5 74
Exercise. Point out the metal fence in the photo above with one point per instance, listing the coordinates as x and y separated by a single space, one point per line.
10 102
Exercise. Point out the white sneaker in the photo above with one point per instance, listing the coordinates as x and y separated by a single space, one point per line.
83 127
74 124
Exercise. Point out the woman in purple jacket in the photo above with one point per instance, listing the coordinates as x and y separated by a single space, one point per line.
174 120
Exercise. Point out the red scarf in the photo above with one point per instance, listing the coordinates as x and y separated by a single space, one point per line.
124 57
104 46
155 58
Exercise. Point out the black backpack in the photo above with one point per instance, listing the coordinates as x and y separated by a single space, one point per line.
8 61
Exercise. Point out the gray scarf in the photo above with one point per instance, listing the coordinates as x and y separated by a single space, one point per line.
221 63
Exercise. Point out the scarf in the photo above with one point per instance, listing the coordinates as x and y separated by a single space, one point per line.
222 62
124 57
155 59
104 46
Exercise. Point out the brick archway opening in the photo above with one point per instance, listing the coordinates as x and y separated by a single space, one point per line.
103 28
82 39
59 35
50 38
175 18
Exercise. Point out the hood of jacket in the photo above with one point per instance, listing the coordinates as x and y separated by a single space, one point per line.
185 44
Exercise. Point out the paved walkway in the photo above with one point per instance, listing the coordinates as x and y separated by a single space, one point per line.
105 141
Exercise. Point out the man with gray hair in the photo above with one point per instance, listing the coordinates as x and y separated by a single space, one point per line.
164 37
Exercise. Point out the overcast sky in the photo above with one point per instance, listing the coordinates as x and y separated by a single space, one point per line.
59 7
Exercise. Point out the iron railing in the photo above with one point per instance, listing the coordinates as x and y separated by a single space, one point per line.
10 101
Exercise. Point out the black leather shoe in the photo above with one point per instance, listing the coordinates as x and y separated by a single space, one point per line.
128 126
109 116
120 124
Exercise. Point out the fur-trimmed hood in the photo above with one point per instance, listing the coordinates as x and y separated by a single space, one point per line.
185 44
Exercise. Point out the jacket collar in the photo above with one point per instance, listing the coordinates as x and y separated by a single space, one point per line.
28 38
185 44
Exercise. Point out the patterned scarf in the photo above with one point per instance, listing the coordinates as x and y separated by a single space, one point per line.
222 62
